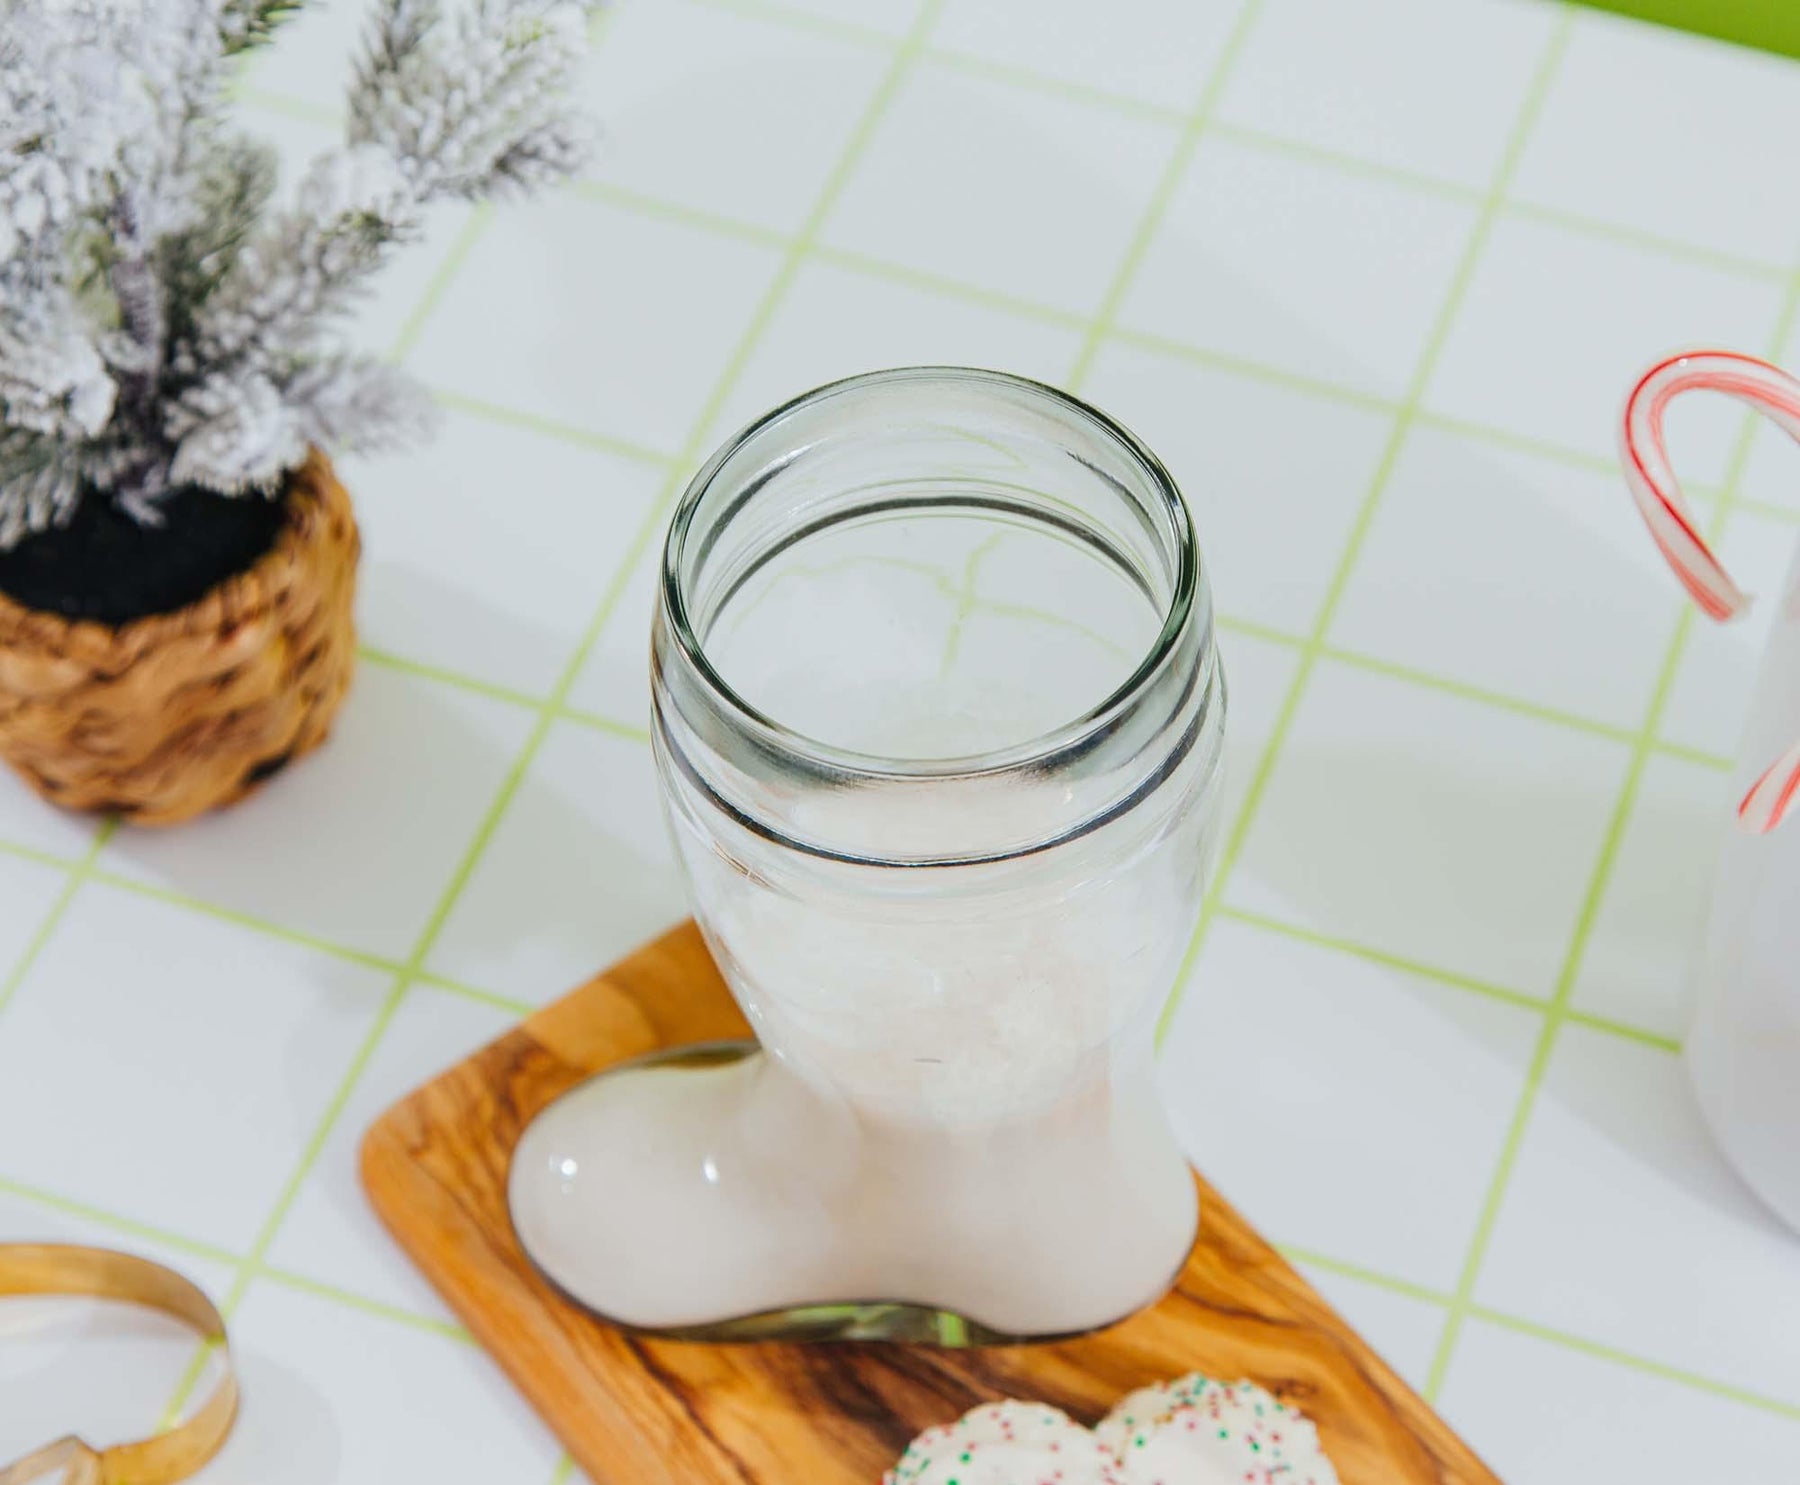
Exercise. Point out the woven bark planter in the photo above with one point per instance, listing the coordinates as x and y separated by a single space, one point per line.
166 716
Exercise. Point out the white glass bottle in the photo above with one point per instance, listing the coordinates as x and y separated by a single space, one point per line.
1743 1045
1743 1048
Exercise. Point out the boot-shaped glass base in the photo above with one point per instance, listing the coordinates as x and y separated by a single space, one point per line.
712 1193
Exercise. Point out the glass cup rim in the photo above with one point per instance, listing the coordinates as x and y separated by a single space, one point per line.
1069 737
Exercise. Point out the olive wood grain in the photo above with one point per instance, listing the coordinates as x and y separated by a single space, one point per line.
636 1410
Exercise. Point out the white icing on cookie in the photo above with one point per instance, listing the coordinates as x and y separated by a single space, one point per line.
1194 1431
1006 1443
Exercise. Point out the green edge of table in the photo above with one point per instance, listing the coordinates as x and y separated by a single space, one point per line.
1770 25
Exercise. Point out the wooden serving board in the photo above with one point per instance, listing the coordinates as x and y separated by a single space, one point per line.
636 1410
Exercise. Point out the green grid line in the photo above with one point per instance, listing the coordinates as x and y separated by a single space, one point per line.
1374 1278
1266 142
1696 253
156 892
1448 685
401 664
1163 193
1763 1402
663 209
972 64
1525 443
967 598
1697 756
268 928
1643 1036
1312 650
79 872
799 19
1587 459
1568 1340
303 1284
68 1206
573 433
448 267
871 266
130 1227
38 855
903 58
1559 1011
315 1144
1467 691
630 731
1253 370
511 1005
1438 974
1448 977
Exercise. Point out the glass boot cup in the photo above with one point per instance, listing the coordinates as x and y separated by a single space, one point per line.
938 721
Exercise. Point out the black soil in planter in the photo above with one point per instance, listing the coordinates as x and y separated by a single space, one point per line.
107 567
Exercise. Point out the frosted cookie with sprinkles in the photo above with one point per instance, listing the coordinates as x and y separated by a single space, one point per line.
1195 1431
1007 1443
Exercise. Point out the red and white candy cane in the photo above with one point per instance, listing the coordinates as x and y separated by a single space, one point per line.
1769 390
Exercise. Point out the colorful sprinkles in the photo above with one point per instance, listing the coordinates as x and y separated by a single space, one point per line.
1006 1443
1191 1431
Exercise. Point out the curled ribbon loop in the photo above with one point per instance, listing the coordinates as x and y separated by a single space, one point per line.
97 1273
1644 453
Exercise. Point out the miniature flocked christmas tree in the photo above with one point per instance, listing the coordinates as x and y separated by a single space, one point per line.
177 558
162 323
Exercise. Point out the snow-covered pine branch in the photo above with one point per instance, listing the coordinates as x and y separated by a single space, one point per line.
160 323
475 103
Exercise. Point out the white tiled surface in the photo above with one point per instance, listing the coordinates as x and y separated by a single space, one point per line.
551 282
1376 303
1539 585
214 1051
1301 265
1643 129
1562 1417
1648 930
578 873
330 1234
498 590
1412 84
1273 514
722 113
1400 817
1402 1327
1006 188
1374 1093
1625 1225
837 320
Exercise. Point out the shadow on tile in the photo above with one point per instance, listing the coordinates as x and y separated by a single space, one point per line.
356 843
578 873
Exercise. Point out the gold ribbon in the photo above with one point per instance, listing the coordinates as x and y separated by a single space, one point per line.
54 1268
